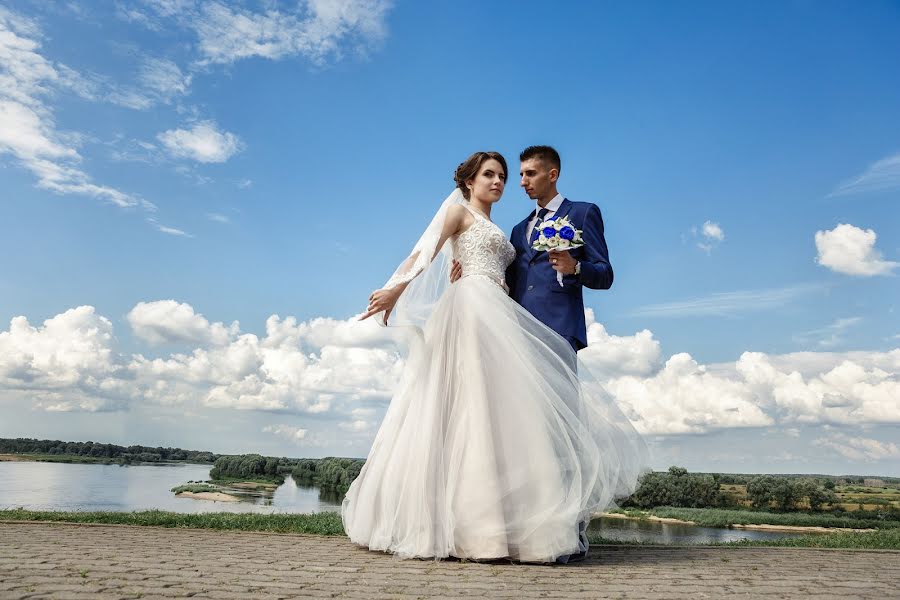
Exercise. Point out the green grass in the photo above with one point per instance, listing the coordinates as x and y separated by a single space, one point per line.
883 539
329 523
717 517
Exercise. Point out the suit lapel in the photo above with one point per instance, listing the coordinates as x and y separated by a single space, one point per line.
518 235
564 208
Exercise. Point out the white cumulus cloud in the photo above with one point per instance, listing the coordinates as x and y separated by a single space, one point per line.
295 367
851 389
611 356
288 432
67 363
859 448
168 321
686 397
712 231
203 142
850 250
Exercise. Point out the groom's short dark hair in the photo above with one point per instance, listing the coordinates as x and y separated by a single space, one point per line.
544 153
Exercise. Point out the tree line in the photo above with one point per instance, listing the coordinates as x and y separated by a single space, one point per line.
678 488
330 473
126 454
248 466
746 478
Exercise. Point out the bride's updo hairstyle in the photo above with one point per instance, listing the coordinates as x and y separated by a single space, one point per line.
469 168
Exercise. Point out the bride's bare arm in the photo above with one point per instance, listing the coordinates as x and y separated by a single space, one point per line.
384 300
456 222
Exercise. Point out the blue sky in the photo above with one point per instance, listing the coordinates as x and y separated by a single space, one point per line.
176 166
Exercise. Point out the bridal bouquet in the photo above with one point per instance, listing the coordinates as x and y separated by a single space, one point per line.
557 234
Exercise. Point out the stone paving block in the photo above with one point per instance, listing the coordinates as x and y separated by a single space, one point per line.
82 596
232 596
309 593
167 591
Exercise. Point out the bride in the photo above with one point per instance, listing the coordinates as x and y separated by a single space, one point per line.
492 445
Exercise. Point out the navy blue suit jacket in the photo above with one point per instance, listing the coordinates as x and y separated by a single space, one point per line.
532 281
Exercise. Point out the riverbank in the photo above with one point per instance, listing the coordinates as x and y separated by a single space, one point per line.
214 496
789 521
57 458
329 524
751 526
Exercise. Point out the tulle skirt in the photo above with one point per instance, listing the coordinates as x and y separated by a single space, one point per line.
495 444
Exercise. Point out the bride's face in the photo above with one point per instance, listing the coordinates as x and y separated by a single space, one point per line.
488 185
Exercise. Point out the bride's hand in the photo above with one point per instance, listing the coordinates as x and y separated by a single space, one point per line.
382 300
456 271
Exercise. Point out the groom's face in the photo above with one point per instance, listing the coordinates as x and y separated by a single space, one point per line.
537 178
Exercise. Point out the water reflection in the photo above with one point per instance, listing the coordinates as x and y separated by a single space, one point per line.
675 533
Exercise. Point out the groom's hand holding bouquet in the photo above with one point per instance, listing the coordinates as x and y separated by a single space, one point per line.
557 236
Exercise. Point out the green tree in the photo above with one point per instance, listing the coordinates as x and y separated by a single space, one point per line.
760 489
677 487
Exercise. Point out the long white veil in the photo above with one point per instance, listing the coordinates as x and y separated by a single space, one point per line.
429 278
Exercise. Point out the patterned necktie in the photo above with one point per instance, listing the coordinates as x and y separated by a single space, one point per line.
536 231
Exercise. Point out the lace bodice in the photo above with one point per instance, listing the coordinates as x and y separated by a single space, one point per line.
483 249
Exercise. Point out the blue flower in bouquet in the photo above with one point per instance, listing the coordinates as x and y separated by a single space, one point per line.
567 233
549 232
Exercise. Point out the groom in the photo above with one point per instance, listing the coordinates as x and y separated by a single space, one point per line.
532 276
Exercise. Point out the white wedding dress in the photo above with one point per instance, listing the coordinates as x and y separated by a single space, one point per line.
491 446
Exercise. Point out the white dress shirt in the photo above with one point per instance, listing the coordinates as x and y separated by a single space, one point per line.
552 207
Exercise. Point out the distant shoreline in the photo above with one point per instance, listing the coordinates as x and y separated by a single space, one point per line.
90 460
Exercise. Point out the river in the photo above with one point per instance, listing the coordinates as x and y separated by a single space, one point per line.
93 487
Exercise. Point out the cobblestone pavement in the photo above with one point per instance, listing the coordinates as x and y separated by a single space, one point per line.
42 560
